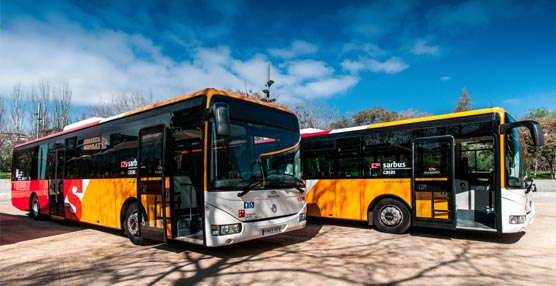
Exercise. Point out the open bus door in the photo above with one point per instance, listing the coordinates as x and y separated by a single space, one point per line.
151 183
433 193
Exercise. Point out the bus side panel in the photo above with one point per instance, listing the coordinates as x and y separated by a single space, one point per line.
114 193
348 198
373 188
321 198
21 194
79 195
97 201
423 204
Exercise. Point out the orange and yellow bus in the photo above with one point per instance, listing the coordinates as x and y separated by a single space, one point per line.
456 171
210 168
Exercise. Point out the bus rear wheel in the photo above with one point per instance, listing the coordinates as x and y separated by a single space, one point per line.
131 225
34 207
391 216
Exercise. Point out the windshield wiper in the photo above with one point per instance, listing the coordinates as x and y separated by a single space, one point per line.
295 179
249 187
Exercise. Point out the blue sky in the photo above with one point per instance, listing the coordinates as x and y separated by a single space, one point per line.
352 55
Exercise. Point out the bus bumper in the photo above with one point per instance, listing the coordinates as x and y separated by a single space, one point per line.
258 229
518 211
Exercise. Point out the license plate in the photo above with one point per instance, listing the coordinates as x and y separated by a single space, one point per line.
270 230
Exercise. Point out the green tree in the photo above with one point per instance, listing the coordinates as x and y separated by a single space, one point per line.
543 157
343 122
464 101
541 112
376 114
548 151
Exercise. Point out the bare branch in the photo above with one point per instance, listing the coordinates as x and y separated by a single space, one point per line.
122 103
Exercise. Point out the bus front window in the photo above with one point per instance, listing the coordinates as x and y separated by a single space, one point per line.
513 158
255 156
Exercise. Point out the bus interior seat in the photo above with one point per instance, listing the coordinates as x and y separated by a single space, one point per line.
185 196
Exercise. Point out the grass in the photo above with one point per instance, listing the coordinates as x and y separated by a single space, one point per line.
4 175
542 175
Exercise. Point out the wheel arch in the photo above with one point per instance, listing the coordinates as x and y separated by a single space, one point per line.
123 210
371 206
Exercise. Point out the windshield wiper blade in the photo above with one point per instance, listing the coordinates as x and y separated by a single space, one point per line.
249 187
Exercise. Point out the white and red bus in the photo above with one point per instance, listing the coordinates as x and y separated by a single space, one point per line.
457 171
210 168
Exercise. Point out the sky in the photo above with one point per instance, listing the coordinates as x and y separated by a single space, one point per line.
351 55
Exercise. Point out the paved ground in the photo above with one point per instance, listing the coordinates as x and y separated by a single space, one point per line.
325 253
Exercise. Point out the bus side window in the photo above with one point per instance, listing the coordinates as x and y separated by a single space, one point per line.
318 167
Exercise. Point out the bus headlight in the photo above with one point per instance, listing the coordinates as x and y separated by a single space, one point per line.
225 229
517 219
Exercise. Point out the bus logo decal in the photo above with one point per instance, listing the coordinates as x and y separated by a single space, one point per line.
74 197
248 205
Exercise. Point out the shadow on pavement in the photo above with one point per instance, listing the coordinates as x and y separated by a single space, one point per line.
17 228
247 248
508 238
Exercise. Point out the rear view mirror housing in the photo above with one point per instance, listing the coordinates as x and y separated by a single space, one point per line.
534 128
221 114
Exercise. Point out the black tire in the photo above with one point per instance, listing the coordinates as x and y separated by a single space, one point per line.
391 216
34 207
131 225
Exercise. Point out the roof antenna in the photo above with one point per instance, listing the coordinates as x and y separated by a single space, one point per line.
246 92
268 84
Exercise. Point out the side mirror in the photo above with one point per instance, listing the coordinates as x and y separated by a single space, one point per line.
531 187
534 128
221 113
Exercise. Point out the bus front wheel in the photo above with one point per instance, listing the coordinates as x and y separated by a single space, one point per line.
34 207
391 216
131 225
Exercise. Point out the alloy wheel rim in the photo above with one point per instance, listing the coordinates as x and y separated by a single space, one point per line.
391 215
133 224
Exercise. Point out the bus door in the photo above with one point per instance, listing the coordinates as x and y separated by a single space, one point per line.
151 183
433 182
55 172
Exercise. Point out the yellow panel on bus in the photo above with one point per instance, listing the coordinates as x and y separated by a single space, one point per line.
321 198
350 198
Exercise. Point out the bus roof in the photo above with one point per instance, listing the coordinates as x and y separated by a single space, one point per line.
310 132
209 92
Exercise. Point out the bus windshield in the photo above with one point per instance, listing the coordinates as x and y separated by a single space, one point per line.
255 156
515 171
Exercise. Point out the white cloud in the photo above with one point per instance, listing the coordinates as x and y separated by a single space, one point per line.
445 78
391 66
370 49
296 49
101 63
327 87
353 66
308 69
422 47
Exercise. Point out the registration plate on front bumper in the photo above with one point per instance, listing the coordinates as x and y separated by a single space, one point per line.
270 230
